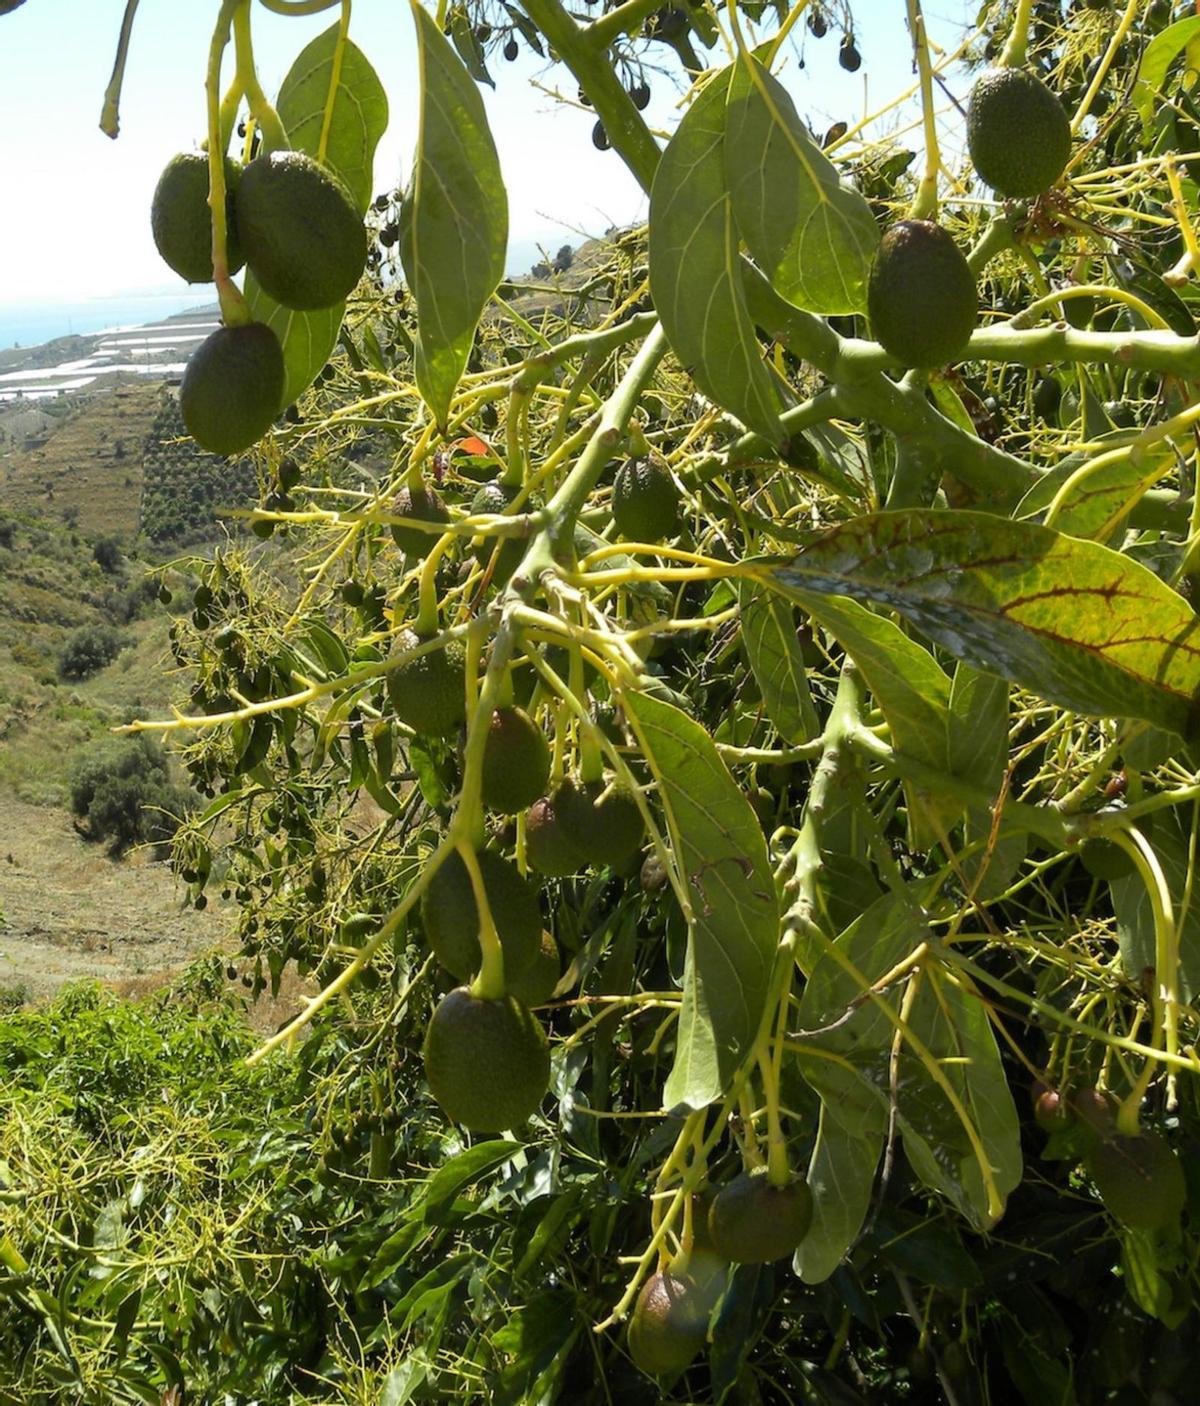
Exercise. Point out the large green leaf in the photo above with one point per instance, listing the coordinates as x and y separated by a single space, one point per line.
359 118
773 648
454 233
1084 626
812 235
718 848
695 269
1160 53
909 685
977 751
840 1175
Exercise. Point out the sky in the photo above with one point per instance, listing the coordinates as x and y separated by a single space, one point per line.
74 222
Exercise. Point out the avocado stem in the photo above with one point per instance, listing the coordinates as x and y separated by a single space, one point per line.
1013 53
925 201
274 136
489 984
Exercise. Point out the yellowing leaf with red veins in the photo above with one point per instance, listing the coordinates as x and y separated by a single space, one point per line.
1071 620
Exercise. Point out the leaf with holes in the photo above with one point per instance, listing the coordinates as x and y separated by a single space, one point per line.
718 848
695 269
811 234
454 221
1077 623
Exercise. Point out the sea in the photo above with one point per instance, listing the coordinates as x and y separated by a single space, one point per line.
31 324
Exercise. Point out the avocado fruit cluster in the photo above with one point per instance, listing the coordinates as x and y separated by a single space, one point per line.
516 762
451 916
645 501
232 387
1018 133
487 1062
428 692
754 1221
921 295
302 236
180 221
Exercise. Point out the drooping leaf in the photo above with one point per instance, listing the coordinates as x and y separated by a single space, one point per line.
462 1170
718 846
773 649
1159 55
1150 287
462 35
953 1025
695 269
840 1175
909 685
977 751
359 118
1077 623
811 234
454 221
952 1123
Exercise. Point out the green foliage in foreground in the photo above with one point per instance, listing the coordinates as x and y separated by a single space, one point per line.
305 1232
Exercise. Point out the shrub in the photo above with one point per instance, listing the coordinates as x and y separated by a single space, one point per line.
122 789
89 650
108 555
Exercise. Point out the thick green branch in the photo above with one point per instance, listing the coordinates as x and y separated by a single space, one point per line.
626 131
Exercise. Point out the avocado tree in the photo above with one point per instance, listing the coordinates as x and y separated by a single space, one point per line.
771 658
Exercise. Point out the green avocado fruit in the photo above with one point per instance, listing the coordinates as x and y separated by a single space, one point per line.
425 504
487 1062
602 822
669 1324
516 762
302 237
1018 133
753 1221
181 221
428 693
535 985
645 501
496 498
1140 1180
232 388
547 848
921 296
451 916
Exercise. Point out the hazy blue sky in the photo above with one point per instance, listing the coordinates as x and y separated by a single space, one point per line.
75 216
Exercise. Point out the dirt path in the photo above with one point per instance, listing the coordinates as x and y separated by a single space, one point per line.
67 911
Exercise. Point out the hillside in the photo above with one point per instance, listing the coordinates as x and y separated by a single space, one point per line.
85 466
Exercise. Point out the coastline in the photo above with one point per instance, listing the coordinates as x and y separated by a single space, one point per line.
157 349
